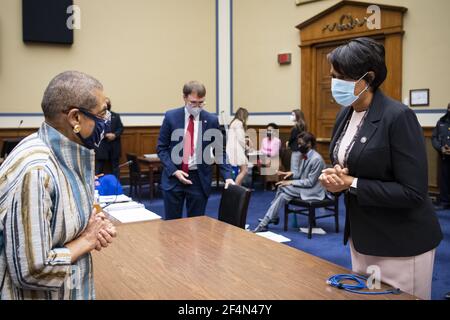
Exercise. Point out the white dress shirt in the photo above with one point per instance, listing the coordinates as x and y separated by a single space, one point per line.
348 137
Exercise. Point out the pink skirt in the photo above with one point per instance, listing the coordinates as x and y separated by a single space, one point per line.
412 275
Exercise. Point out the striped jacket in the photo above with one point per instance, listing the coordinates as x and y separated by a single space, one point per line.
46 198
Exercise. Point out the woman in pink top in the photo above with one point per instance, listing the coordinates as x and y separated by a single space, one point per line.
270 148
271 145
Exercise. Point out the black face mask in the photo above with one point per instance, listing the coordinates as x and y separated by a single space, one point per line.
303 148
97 135
269 134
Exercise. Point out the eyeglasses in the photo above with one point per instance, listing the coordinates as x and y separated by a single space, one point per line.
105 116
197 103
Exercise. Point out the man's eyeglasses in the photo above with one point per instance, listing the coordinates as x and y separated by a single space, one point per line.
197 103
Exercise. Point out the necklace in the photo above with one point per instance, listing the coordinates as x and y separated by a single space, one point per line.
352 142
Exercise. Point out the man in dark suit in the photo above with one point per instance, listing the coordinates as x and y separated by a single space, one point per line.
441 142
110 148
189 143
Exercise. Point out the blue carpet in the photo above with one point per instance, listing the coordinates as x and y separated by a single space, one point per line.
330 246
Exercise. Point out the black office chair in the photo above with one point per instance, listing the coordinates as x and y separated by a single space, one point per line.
234 205
137 177
309 210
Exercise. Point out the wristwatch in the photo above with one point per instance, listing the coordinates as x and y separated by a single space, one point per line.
354 187
352 191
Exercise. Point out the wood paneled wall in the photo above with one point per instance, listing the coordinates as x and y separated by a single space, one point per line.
143 140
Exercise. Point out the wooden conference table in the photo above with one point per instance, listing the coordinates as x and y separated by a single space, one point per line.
203 258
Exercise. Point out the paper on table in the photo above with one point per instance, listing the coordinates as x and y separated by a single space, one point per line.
256 153
118 198
123 206
273 236
314 230
134 215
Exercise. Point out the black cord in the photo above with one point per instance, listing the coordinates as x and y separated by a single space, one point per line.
115 198
117 184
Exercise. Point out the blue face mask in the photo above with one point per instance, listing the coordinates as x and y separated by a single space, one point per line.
97 135
344 91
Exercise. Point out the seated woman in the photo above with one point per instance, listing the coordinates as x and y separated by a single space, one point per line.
270 160
306 186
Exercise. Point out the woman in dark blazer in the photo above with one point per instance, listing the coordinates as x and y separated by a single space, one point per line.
380 163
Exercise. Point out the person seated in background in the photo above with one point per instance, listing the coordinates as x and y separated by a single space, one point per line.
306 186
270 149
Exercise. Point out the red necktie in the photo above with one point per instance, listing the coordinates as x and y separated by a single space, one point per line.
304 157
188 147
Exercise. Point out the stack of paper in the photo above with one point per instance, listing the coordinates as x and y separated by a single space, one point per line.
123 206
127 212
118 198
134 215
314 230
151 156
273 236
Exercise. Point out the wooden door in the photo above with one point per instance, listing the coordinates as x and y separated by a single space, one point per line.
325 108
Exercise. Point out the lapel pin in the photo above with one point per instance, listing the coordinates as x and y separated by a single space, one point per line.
363 140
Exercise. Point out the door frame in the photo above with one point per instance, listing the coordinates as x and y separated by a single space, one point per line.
313 36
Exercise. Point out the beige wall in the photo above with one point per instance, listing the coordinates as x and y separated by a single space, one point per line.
262 29
142 50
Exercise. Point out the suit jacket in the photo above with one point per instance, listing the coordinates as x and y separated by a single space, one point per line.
390 214
308 183
441 135
209 149
111 149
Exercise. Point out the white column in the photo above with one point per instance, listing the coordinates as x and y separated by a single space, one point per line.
224 56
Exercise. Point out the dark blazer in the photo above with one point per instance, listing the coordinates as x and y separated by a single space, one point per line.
441 135
173 120
111 149
293 141
390 214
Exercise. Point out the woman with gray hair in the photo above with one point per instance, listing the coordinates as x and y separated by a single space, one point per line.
47 223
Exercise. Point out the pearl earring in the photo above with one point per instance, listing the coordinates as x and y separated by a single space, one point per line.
77 128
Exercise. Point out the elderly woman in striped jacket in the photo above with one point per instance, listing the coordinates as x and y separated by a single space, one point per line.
47 223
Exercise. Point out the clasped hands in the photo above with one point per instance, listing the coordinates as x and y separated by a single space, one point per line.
336 179
100 231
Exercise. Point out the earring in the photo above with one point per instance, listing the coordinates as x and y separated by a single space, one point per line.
77 128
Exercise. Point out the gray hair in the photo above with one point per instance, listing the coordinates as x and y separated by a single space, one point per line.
194 87
70 89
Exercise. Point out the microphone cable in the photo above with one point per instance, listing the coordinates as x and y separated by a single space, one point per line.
359 284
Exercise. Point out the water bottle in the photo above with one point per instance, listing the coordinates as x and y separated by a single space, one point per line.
97 205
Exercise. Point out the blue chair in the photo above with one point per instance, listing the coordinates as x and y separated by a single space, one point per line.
109 185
